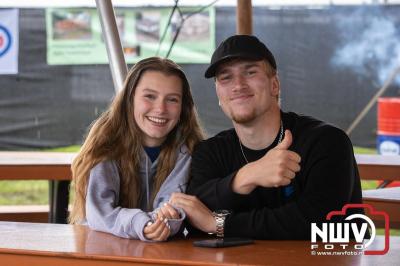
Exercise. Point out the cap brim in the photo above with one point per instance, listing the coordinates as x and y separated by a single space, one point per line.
210 72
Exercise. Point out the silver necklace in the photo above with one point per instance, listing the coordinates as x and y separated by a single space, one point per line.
279 141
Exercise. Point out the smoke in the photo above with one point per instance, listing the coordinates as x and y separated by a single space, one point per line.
371 46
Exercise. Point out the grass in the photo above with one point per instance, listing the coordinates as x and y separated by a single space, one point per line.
73 148
361 150
392 232
24 192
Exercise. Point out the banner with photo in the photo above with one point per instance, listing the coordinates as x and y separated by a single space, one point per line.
9 41
74 35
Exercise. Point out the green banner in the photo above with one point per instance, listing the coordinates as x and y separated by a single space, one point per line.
74 35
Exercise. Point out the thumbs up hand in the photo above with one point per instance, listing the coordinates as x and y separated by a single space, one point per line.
286 142
276 168
280 164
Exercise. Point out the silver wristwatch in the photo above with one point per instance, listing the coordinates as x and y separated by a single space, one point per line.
219 217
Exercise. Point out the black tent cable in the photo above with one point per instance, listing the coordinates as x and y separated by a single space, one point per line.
167 26
183 19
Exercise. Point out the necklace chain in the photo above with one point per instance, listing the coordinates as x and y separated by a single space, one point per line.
279 141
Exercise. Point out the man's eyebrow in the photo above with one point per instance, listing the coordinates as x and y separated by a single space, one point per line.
251 64
222 71
246 65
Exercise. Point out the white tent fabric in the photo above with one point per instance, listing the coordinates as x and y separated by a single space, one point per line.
130 3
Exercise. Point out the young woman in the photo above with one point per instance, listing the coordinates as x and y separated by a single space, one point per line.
136 154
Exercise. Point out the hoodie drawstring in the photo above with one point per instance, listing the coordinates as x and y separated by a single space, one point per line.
147 184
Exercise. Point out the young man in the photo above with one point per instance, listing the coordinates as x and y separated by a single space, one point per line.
273 174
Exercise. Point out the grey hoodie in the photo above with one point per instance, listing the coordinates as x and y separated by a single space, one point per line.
103 197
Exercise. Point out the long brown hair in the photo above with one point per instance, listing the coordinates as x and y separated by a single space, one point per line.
116 136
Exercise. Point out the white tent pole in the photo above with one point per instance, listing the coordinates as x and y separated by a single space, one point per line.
115 53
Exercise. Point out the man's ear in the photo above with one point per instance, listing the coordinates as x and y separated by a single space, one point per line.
216 93
276 85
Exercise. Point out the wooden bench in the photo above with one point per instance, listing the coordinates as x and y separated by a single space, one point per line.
52 166
25 213
378 167
386 168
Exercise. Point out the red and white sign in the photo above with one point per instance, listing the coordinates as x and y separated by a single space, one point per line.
9 41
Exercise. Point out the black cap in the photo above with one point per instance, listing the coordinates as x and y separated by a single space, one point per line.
239 46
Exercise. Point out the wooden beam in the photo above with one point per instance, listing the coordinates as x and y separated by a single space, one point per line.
378 167
24 213
244 17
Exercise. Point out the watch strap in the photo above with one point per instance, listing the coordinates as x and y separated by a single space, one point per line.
220 217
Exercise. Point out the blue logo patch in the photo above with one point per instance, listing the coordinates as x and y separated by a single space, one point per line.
288 190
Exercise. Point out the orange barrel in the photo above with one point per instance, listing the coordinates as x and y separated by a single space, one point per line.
388 140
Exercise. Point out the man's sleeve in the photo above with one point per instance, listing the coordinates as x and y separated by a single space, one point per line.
207 180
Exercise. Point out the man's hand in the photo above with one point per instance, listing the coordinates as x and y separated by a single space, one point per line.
276 168
197 213
158 230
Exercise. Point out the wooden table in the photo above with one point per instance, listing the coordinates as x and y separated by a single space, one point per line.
385 199
386 168
378 167
58 244
389 194
52 166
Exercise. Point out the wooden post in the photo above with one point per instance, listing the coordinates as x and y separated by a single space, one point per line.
244 17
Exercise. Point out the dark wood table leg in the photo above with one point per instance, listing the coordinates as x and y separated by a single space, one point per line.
58 200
